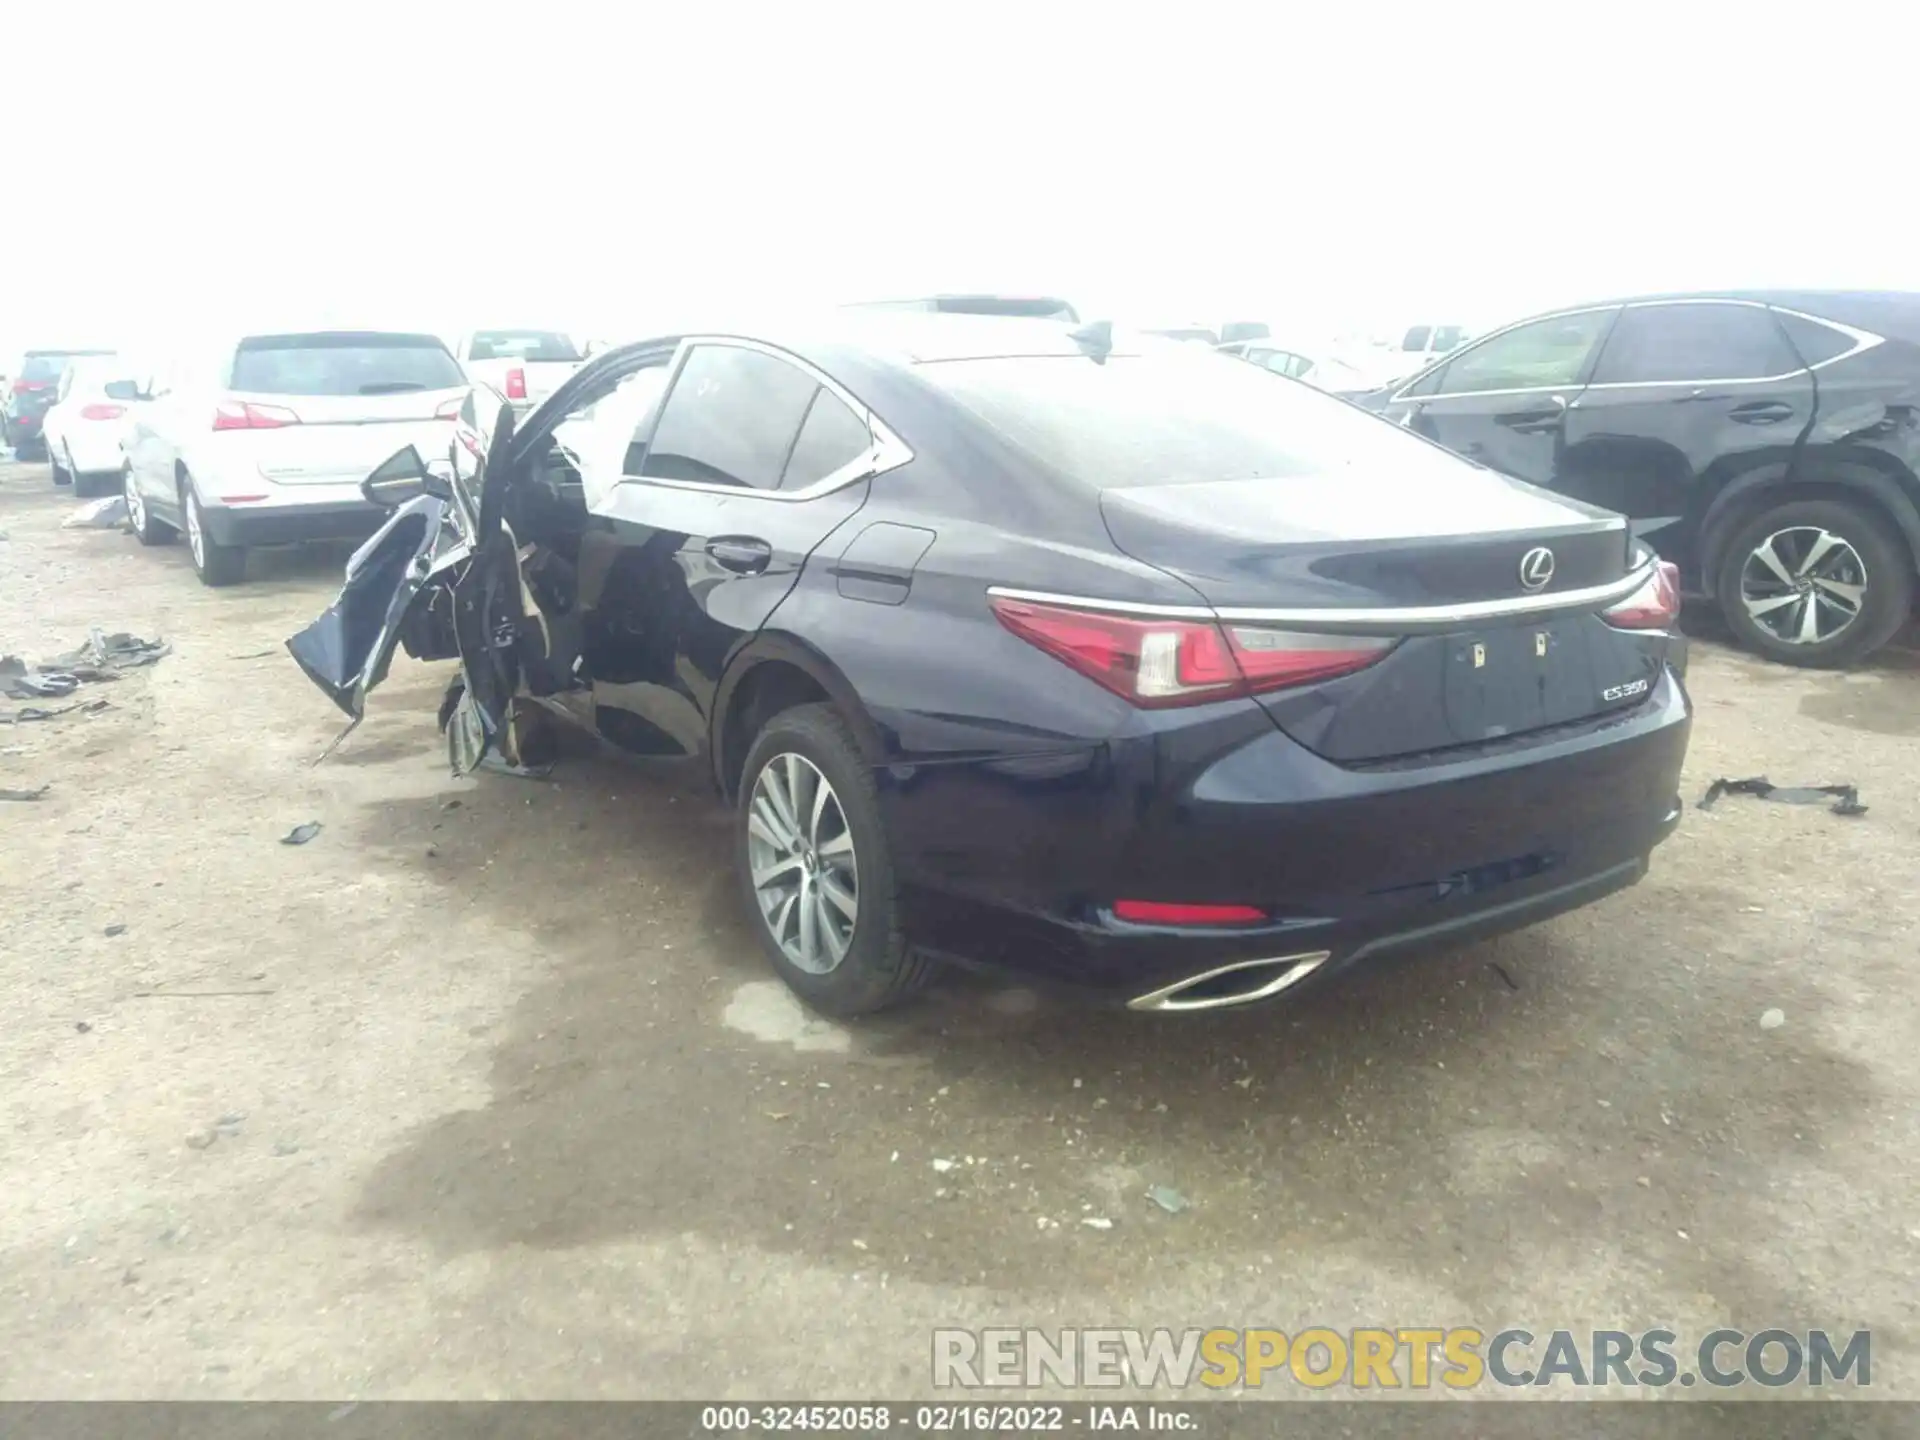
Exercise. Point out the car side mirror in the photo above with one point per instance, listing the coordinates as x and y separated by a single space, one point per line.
123 390
401 477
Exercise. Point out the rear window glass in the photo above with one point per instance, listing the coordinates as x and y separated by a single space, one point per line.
49 365
1041 309
522 345
343 365
1180 415
1812 341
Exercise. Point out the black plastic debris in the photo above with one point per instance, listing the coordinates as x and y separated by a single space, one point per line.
102 658
39 712
23 794
113 930
1845 798
301 834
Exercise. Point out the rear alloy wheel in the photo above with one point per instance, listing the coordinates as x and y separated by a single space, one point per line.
1815 583
140 519
814 865
214 563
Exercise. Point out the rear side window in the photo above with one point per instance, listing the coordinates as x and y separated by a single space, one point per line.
522 345
1812 341
832 436
1180 415
731 419
1656 344
343 364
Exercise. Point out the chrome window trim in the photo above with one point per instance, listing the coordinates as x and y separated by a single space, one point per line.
888 451
1863 340
1399 620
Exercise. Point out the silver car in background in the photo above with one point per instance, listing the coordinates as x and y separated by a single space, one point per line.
266 441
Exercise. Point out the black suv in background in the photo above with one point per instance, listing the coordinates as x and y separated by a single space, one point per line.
1765 441
30 395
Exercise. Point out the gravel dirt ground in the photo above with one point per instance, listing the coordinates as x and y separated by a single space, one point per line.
485 1092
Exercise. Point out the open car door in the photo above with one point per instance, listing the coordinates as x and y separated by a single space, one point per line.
419 581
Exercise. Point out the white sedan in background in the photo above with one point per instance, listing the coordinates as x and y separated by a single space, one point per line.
1322 371
86 425
526 366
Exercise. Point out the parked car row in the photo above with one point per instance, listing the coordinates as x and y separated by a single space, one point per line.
1077 653
265 439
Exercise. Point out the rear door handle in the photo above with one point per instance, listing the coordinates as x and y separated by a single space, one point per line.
1762 412
742 555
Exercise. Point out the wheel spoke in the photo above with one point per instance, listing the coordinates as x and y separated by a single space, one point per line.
842 899
781 801
765 821
1768 557
778 922
836 942
1848 596
822 793
838 848
765 875
1757 608
1823 543
809 916
1809 621
800 778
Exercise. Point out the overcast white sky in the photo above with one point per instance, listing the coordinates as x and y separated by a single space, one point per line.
611 168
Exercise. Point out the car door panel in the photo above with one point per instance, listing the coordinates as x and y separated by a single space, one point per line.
1685 398
676 579
1502 401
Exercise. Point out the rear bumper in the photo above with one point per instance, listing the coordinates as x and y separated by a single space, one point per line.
1353 863
252 525
94 453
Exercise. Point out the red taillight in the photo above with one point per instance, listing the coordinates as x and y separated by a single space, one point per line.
21 387
1158 912
102 412
245 415
516 384
449 409
1159 663
1654 606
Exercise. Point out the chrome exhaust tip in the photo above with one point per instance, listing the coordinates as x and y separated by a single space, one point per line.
1241 983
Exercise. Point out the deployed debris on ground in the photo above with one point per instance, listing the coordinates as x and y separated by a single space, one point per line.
1846 798
109 513
102 658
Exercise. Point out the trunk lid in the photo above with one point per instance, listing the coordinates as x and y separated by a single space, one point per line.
340 438
326 407
1314 550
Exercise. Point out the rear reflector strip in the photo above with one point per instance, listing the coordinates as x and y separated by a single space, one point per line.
1163 912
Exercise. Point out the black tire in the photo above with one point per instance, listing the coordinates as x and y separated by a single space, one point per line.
879 969
87 486
215 564
61 475
1884 606
146 529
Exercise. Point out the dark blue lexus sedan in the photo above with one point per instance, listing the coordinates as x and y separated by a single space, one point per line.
1095 657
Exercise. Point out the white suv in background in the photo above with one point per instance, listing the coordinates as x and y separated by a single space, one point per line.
84 427
267 441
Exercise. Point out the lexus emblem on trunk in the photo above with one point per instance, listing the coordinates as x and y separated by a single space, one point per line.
1536 567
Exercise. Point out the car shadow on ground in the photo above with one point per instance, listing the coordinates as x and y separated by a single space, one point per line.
1471 1117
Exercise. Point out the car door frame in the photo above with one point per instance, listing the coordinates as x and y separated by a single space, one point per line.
625 500
1563 397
